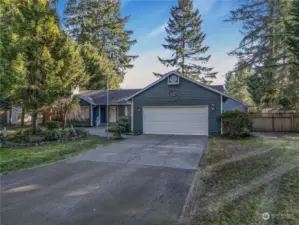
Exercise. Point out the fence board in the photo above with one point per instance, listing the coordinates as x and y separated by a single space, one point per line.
275 122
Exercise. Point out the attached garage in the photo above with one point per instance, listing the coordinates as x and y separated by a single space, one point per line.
185 120
177 105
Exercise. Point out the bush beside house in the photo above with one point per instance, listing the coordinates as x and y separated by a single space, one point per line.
236 124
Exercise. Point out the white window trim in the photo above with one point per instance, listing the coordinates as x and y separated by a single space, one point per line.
126 110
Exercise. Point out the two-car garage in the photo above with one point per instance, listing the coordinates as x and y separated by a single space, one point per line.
192 120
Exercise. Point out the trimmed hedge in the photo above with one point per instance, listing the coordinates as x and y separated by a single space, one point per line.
236 124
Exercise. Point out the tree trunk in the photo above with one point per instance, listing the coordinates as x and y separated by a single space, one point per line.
64 121
23 117
34 124
44 118
183 60
10 116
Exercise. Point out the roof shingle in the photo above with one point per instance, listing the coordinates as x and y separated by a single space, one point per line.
99 97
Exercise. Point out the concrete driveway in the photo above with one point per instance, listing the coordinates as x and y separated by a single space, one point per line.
153 150
142 180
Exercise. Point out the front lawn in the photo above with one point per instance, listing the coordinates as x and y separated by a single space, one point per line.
242 179
14 159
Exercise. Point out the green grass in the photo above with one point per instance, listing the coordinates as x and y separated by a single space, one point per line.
15 159
241 179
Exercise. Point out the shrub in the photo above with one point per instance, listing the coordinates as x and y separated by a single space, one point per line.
112 128
28 131
236 124
21 137
53 135
124 123
69 133
81 131
52 124
122 126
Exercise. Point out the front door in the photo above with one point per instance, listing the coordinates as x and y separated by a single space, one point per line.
103 114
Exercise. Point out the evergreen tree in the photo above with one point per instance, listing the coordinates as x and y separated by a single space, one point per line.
262 46
100 24
293 32
255 86
185 40
236 84
46 62
290 93
8 45
98 68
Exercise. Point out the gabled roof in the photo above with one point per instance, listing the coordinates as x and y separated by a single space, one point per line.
222 89
99 97
186 78
218 88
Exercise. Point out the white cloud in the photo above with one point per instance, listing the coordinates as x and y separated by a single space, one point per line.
144 66
156 31
124 3
204 6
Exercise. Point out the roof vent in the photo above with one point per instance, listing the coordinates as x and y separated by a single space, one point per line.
173 79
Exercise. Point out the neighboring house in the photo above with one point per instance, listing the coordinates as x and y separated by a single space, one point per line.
231 103
15 115
172 105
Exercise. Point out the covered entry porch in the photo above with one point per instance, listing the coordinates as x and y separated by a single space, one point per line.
102 114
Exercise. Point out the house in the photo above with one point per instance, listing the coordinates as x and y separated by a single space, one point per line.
231 103
171 105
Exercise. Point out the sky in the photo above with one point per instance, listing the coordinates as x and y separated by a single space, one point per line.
148 19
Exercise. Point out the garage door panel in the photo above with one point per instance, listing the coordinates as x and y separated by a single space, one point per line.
175 120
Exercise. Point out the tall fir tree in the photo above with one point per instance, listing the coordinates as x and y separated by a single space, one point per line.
262 46
290 93
236 84
100 24
99 68
293 32
185 39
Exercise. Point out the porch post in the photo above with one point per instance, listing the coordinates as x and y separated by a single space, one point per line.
100 116
91 115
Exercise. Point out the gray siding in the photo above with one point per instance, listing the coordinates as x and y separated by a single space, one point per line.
232 104
120 110
187 94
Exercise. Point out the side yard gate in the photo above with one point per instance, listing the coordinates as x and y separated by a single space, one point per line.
275 122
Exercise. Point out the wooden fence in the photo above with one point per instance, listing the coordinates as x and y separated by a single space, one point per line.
275 122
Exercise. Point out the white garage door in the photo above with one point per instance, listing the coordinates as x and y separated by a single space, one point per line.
176 120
